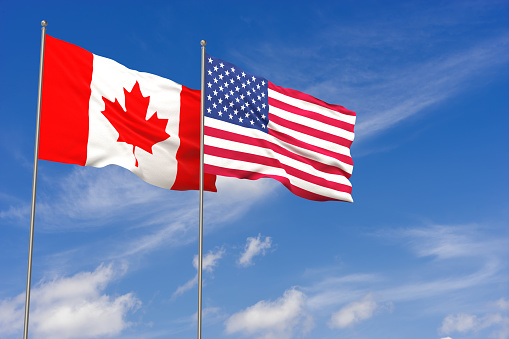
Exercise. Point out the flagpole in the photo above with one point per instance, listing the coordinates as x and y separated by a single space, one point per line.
200 252
44 23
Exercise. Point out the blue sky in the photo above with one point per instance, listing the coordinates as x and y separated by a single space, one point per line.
421 253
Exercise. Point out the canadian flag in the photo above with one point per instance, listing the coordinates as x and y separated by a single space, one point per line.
96 112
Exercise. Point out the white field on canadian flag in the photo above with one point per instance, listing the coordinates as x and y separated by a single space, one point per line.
109 79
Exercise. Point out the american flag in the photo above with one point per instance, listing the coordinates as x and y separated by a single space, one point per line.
255 129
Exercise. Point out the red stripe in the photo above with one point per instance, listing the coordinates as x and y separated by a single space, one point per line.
311 115
65 99
336 139
306 97
221 134
273 162
228 172
188 153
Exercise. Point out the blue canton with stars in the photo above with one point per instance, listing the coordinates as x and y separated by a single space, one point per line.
235 96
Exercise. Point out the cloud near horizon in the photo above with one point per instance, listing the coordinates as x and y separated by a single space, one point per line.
71 307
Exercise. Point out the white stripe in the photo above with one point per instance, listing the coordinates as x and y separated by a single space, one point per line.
312 107
255 150
318 125
265 170
215 123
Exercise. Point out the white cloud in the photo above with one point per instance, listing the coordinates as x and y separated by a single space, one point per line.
278 319
502 304
497 323
354 312
254 246
210 261
71 307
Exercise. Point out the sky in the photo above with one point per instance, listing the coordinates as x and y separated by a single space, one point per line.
420 253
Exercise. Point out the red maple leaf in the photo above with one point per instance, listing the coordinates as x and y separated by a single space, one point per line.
131 125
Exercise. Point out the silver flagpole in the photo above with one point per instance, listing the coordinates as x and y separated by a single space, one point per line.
44 23
200 252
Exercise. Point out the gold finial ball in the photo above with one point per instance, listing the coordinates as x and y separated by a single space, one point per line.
203 42
44 23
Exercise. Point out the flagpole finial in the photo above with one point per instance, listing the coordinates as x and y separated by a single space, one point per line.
44 23
203 42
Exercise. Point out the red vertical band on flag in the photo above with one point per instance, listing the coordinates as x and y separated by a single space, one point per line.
65 99
188 153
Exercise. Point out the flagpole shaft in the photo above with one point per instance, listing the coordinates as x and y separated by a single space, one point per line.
200 252
44 23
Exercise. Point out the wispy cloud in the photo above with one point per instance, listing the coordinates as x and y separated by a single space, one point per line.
354 312
497 323
254 246
210 261
65 307
281 318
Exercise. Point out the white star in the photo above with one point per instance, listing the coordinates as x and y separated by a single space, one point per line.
242 107
243 85
209 84
238 77
258 86
259 98
226 73
254 102
215 92
263 126
252 122
233 70
248 82
209 72
236 111
215 68
247 115
240 119
231 92
231 116
237 99
258 108
248 93
221 65
221 88
263 116
231 104
226 84
210 60
237 88
221 76
242 96
214 105
215 80
253 78
220 101
232 81
263 106
225 108
226 96
209 97
263 95
209 110
243 74
263 82
220 113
